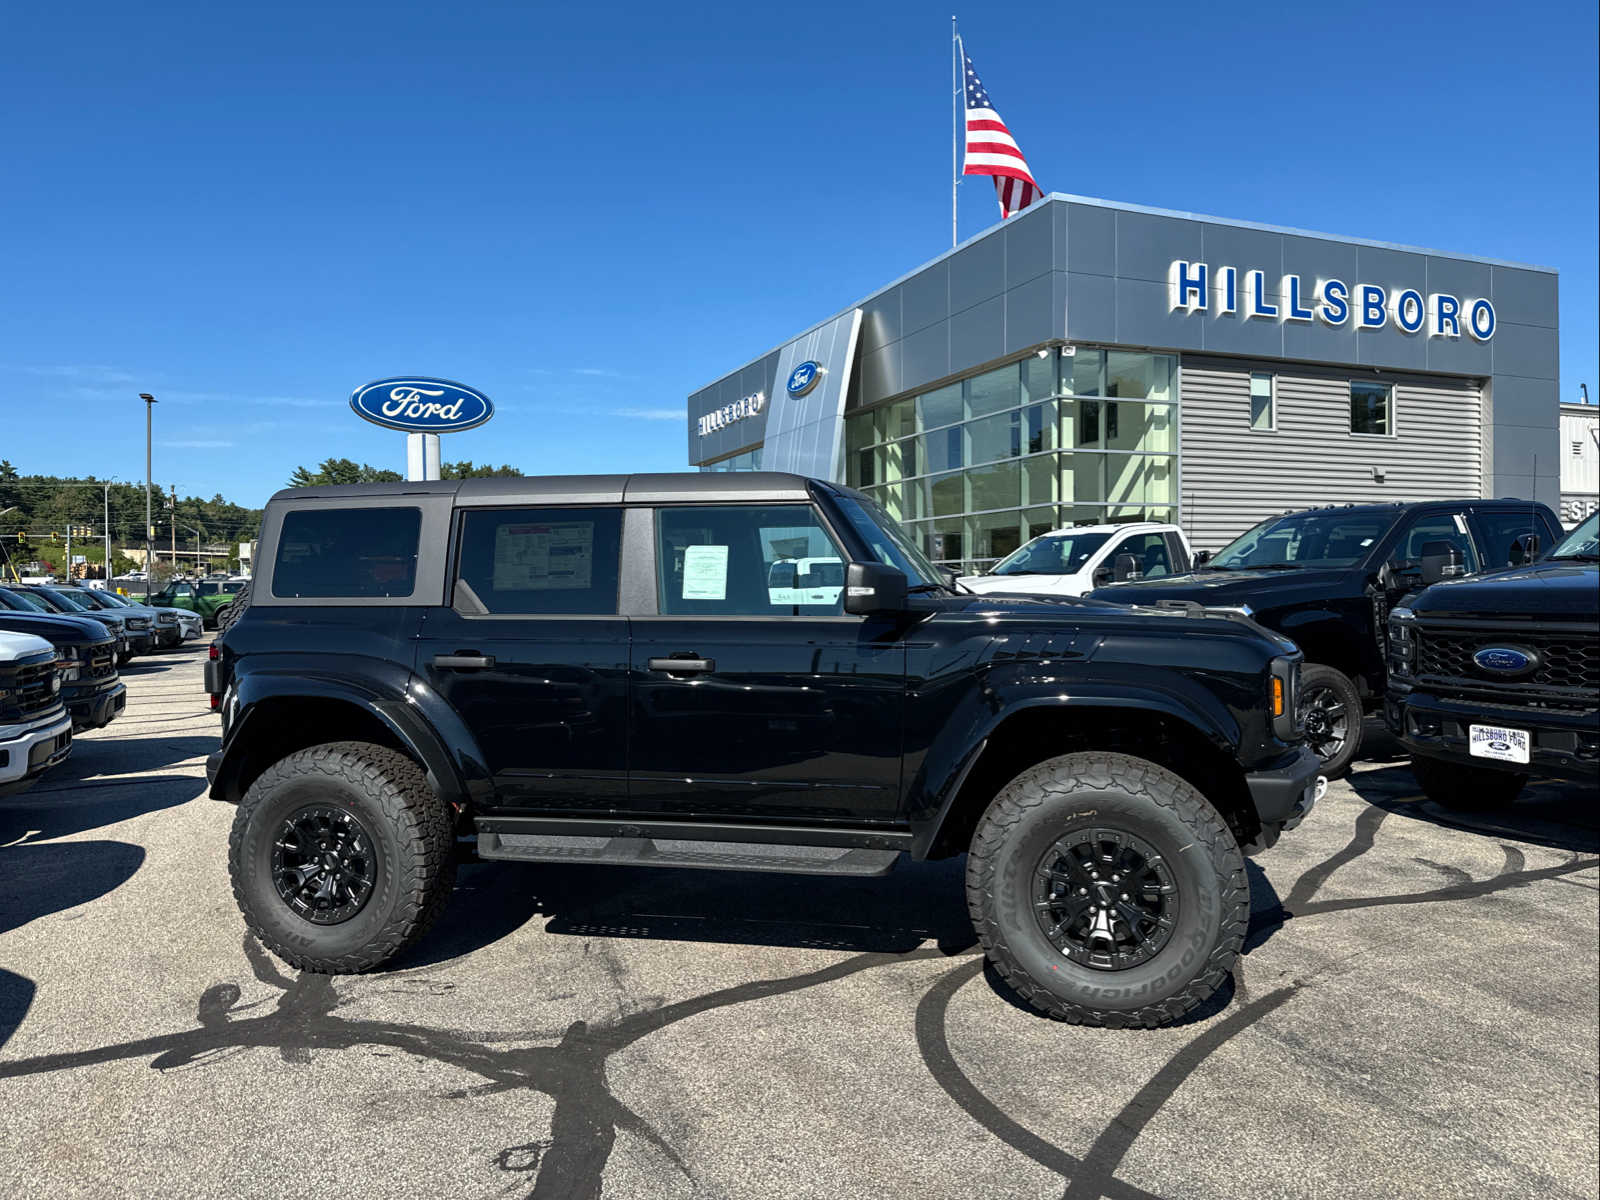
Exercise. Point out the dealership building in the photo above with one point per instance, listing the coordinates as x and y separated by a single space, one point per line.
1086 362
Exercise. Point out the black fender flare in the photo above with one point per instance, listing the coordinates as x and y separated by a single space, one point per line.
925 834
398 714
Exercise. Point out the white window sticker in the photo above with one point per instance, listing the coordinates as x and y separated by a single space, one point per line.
543 557
705 573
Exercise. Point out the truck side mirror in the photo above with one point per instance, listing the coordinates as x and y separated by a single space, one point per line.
1524 550
1202 557
1441 560
782 575
1127 568
873 588
1103 576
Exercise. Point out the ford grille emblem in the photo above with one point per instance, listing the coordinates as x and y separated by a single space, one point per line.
417 404
1506 660
803 378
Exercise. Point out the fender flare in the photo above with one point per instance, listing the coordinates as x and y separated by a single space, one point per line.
409 727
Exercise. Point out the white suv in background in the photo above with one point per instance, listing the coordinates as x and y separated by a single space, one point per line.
35 730
1075 561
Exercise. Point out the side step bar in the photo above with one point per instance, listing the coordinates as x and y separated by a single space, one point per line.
676 852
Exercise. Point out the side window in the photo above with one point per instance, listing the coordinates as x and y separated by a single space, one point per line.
747 561
347 552
1149 550
1439 527
182 589
1180 556
1505 535
553 561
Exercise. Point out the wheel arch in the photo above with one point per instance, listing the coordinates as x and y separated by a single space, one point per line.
1028 734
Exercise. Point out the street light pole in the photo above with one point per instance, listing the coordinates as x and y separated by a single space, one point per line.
149 550
106 499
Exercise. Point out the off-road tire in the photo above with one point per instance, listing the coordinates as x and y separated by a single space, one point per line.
230 612
1465 787
1116 791
1315 676
413 840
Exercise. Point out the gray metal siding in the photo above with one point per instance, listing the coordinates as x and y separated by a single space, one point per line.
1233 477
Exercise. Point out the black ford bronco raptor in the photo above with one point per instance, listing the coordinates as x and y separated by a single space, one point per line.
631 670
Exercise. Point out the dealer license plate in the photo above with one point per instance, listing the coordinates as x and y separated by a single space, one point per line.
1493 741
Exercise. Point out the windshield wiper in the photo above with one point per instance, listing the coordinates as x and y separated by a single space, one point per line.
1579 557
1274 567
1019 571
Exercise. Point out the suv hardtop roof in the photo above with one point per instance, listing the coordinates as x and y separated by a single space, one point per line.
1398 506
663 488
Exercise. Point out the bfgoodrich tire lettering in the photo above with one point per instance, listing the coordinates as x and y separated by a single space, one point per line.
1108 792
411 838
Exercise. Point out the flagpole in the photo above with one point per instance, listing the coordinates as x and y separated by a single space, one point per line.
955 124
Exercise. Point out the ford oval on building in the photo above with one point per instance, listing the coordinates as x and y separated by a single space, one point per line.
418 404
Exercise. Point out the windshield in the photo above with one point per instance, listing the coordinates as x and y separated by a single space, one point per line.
1582 542
1051 554
23 600
112 599
1323 538
889 543
71 603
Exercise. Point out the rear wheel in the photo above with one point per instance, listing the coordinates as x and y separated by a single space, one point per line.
1107 890
1332 707
1463 786
232 611
340 856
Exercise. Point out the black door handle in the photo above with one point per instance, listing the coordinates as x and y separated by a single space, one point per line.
464 662
683 666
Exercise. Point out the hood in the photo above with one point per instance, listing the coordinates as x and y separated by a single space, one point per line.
1554 588
1231 589
56 627
1026 584
22 645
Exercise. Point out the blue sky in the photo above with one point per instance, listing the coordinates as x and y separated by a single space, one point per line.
588 211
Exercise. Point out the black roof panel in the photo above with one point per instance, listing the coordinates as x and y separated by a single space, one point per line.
667 488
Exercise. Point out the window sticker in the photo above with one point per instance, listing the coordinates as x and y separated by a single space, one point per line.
705 573
543 557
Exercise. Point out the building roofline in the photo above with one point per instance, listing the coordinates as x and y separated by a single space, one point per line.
1123 206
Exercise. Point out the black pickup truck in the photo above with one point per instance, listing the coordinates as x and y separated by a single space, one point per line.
1327 577
1496 678
86 659
602 670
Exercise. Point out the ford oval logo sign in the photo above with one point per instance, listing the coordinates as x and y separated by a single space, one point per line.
417 404
803 378
1506 660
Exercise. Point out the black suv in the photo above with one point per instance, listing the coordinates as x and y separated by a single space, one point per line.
608 670
1327 578
1496 678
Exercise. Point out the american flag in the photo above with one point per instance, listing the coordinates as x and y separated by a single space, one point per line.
992 151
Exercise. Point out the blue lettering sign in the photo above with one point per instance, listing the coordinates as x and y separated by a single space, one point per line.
1374 306
1334 307
1480 320
1256 281
1291 289
1446 311
1227 291
1408 311
1186 285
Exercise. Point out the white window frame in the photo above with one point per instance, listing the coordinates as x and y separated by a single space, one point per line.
1394 410
1272 402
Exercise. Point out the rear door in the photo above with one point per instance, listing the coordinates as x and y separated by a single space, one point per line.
751 697
532 654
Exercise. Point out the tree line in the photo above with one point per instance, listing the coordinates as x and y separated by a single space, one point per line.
346 470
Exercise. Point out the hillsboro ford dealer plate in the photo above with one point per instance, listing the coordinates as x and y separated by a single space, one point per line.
1491 741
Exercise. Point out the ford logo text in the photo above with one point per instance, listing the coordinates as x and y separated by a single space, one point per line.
1506 660
417 404
803 378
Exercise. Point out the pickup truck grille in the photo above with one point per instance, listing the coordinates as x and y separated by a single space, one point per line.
101 664
26 692
138 622
1568 674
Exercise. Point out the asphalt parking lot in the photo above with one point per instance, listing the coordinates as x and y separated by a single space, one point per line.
1416 1015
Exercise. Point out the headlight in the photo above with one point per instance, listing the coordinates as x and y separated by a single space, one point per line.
68 664
1402 645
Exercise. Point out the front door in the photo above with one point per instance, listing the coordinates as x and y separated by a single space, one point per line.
533 656
753 695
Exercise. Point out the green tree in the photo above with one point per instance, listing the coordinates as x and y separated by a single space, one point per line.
342 470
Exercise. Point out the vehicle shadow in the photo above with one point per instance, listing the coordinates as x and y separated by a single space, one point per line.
917 903
16 997
1554 813
102 756
50 811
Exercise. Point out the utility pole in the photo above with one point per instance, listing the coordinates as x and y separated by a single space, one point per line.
174 527
149 529
69 550
107 501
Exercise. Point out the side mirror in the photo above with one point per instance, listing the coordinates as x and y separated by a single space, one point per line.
1126 568
873 588
1524 550
1202 557
782 576
1441 560
1103 576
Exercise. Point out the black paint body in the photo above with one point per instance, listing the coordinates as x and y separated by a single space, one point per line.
862 727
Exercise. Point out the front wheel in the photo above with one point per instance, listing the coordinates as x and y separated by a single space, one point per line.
1332 707
340 856
1463 786
1107 890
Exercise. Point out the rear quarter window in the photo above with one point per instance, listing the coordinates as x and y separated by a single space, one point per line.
347 552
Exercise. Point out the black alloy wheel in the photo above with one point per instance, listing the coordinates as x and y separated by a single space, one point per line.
1331 708
323 864
1105 898
1327 722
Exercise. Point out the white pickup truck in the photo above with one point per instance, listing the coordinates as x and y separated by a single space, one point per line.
1075 561
35 730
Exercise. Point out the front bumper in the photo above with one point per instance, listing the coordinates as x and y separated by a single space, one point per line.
1284 795
28 751
1564 744
94 706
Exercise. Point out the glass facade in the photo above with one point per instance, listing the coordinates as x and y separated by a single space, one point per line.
750 460
976 468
